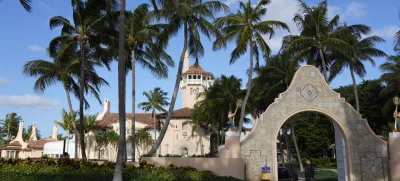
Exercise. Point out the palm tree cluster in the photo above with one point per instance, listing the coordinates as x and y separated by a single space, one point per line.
101 27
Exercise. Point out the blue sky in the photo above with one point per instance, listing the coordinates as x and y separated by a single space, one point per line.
25 36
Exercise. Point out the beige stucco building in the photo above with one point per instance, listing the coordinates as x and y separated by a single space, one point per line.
32 148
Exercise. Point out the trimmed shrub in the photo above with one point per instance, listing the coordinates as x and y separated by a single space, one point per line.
71 170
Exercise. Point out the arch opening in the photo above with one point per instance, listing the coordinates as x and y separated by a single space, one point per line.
314 133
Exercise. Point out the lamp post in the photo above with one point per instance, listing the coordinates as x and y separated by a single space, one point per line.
396 102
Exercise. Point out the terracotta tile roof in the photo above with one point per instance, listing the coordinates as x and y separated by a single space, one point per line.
39 144
179 113
14 144
111 118
197 69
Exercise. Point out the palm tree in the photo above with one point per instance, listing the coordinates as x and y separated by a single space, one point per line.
142 139
219 99
365 51
121 94
90 125
26 4
278 74
397 39
193 17
391 77
84 33
139 37
61 137
65 69
26 133
320 36
10 125
247 29
68 120
156 100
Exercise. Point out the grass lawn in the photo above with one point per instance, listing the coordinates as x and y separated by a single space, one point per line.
326 175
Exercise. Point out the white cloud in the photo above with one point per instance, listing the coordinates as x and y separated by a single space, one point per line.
44 5
36 48
28 100
388 31
4 81
281 10
231 3
353 10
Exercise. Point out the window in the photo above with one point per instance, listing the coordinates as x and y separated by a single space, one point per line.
190 76
198 76
12 154
176 136
166 148
184 151
57 156
204 78
102 153
185 126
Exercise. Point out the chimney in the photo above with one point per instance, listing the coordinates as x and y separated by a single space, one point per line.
106 106
20 129
33 136
186 62
54 136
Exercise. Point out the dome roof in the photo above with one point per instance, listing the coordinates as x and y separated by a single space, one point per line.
197 69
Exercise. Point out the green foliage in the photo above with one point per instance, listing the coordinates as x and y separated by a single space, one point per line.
324 162
27 133
371 103
314 134
71 170
10 125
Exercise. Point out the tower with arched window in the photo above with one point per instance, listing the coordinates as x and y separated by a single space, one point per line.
194 80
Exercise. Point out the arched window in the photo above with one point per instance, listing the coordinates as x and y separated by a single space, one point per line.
184 151
185 126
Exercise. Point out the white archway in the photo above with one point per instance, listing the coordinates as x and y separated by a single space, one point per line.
366 154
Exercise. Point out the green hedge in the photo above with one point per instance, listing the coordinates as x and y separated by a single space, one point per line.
70 170
324 162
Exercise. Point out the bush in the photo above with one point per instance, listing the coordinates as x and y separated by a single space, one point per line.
71 170
324 162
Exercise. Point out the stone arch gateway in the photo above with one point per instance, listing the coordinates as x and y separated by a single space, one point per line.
366 154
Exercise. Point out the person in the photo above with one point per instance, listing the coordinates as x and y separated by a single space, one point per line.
309 171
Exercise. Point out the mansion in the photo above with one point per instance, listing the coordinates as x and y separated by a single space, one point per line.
178 139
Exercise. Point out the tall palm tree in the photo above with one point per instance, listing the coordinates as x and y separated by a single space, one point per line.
365 51
156 100
26 4
88 33
193 17
10 125
397 39
391 77
121 94
247 29
139 35
65 69
320 36
68 119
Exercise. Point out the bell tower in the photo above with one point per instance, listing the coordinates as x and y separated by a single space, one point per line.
194 80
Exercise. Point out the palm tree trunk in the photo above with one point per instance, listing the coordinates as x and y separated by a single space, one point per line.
248 87
133 107
321 55
81 99
297 148
71 111
68 141
281 147
355 88
174 94
155 127
121 95
216 132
